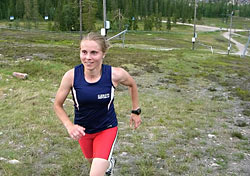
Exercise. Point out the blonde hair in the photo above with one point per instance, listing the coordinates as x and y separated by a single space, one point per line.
98 38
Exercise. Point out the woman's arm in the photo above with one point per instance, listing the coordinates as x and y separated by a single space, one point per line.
119 75
75 131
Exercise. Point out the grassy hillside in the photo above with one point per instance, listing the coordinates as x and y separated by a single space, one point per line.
195 105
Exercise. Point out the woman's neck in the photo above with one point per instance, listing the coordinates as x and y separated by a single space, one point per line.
92 76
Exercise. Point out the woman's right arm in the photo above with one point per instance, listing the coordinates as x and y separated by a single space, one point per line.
75 131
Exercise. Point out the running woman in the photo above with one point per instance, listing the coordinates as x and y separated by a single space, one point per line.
92 85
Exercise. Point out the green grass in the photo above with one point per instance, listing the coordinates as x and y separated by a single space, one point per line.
238 22
177 95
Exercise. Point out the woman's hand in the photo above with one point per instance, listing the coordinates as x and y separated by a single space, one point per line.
76 131
135 120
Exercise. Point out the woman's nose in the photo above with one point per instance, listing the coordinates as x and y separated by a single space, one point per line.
88 56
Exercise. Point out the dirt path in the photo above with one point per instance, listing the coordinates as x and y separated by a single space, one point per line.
204 28
240 46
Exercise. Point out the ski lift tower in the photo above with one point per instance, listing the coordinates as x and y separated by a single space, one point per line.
195 35
106 24
230 34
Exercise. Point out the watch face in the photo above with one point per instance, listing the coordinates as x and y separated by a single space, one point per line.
137 111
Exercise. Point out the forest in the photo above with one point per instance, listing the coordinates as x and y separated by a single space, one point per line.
63 15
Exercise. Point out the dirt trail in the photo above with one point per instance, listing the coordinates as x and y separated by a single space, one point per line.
240 46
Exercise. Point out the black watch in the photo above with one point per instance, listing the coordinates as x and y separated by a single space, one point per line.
137 111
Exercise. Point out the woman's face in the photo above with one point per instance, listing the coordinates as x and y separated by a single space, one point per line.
91 54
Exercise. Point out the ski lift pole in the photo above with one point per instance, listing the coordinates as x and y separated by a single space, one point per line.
123 37
195 36
104 18
245 50
230 34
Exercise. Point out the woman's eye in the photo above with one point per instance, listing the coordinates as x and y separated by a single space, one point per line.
84 52
94 52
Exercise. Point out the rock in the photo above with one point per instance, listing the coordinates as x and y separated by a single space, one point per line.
212 89
9 161
163 80
178 90
211 136
124 154
20 75
215 165
3 159
240 123
13 161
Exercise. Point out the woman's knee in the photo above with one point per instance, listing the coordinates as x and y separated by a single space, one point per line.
98 167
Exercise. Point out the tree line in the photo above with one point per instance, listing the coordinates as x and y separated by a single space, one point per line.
64 14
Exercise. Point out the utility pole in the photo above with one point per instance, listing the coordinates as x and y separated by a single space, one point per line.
104 16
80 4
194 37
230 34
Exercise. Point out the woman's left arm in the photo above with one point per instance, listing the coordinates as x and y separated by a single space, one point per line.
119 75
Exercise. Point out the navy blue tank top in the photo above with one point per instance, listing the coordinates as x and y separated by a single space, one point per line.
94 108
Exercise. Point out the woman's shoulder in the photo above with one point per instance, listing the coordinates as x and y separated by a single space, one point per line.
118 74
117 70
70 73
69 76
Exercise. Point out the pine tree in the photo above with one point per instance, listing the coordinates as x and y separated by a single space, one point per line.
12 9
27 15
135 24
19 9
89 14
35 12
169 24
148 23
158 21
3 9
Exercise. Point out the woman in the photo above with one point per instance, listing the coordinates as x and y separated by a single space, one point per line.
92 85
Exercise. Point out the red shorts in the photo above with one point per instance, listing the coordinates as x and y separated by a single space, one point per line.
99 145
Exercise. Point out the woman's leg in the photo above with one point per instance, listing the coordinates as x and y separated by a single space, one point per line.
104 142
99 167
98 149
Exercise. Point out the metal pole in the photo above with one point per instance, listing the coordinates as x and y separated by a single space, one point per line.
194 23
123 32
230 34
80 4
245 50
104 16
119 19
